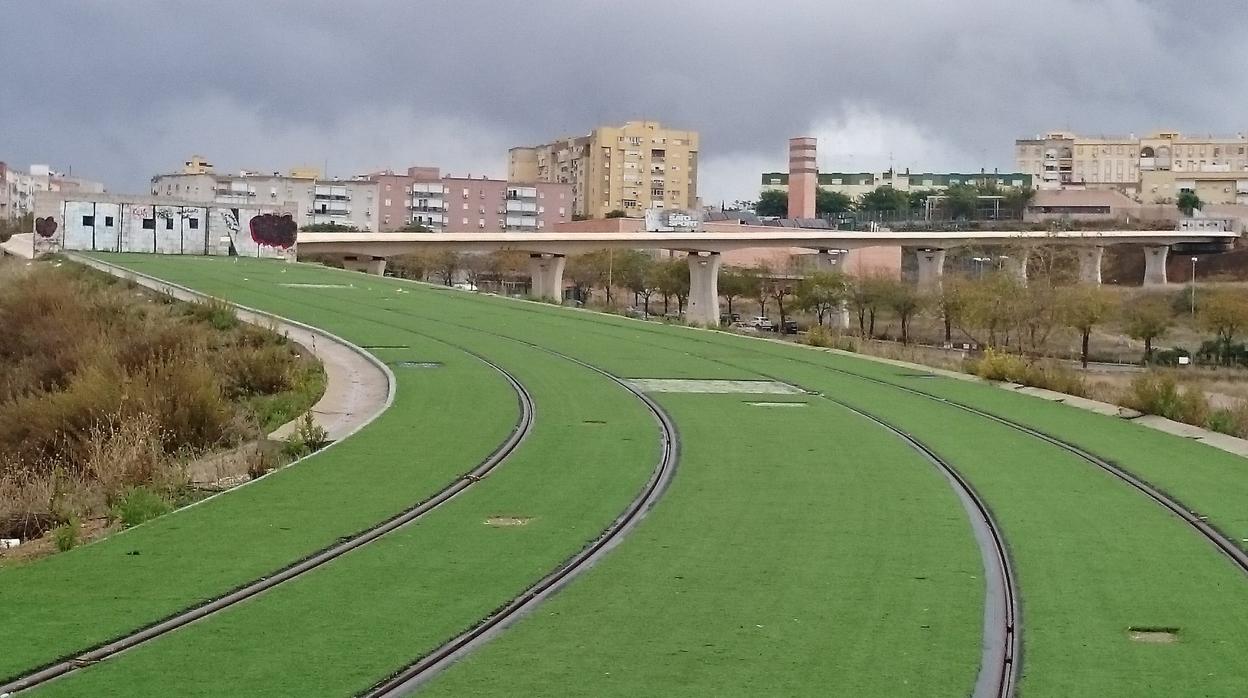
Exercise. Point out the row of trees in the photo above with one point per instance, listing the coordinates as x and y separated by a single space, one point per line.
958 201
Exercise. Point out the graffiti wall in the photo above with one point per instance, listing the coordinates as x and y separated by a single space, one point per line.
105 224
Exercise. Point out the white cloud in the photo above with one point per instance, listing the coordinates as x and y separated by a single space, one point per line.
862 139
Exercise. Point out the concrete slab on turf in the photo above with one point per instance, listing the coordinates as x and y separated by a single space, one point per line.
684 385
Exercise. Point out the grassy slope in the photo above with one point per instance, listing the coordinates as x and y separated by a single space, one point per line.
1085 576
706 528
91 594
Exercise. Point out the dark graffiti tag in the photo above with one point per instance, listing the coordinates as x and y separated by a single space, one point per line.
45 227
274 230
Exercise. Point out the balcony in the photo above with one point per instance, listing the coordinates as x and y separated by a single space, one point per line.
517 206
431 208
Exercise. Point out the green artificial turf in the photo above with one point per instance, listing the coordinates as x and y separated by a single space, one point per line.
800 551
926 621
349 624
74 600
1093 556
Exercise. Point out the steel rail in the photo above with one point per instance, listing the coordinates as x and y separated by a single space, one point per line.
256 587
411 677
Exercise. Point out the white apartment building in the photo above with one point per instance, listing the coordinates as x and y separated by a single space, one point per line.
17 188
314 201
1152 169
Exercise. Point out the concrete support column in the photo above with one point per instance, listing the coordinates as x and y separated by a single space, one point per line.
840 317
546 273
368 265
1090 264
829 260
1155 264
1016 266
931 267
703 289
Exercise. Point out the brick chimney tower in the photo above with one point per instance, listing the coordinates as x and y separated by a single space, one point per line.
803 177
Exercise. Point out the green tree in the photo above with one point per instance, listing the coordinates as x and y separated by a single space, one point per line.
884 198
829 203
414 227
1147 318
733 284
779 290
905 300
758 276
1188 202
446 264
822 293
617 213
670 277
867 296
1083 307
1224 312
1017 199
631 267
962 201
916 199
329 228
772 203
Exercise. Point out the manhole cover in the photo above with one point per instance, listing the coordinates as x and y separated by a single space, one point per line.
1161 636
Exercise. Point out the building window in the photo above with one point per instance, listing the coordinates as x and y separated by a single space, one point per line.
88 221
465 207
193 223
108 221
480 222
561 211
149 223
387 200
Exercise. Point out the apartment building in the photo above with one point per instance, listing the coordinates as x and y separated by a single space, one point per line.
498 205
630 168
1152 169
855 184
315 201
17 197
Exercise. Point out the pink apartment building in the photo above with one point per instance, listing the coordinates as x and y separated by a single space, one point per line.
464 204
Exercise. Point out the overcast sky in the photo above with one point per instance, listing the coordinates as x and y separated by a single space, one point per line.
120 90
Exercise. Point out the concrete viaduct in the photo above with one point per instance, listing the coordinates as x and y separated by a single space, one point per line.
548 251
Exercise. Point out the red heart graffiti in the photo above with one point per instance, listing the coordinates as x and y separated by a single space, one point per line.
274 230
45 227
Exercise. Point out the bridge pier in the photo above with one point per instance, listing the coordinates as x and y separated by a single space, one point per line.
546 275
1090 264
703 288
829 260
1016 266
931 267
1155 264
369 265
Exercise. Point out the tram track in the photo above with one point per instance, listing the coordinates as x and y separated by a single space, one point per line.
1197 522
85 659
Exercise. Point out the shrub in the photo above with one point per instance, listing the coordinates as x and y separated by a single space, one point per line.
139 504
67 534
308 438
1168 357
1232 421
217 313
1160 394
258 370
1000 366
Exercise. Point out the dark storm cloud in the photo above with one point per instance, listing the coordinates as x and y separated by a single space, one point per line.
123 89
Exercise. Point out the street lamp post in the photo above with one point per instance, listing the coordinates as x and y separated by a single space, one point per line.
1193 287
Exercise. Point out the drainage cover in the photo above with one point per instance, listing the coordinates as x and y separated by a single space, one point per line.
1163 636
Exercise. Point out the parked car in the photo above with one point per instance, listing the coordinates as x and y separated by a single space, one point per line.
729 318
790 327
762 323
